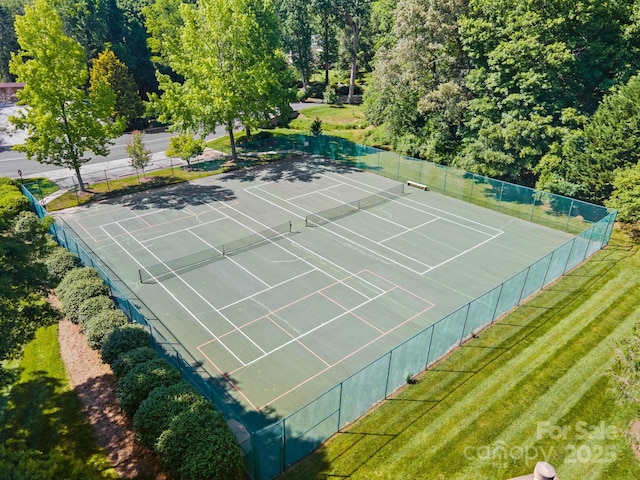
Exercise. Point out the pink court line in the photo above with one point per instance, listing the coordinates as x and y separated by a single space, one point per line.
340 361
227 378
393 285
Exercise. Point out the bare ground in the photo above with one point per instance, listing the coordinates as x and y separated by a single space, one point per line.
94 383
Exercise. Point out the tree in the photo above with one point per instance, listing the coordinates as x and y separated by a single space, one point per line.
296 32
185 147
109 68
626 194
325 15
532 62
418 88
63 120
24 244
139 155
229 57
354 14
8 43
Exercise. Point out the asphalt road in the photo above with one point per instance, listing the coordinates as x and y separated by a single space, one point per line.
12 161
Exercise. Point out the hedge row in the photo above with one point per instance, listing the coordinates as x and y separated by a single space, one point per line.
169 416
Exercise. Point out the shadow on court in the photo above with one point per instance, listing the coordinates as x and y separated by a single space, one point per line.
175 197
298 169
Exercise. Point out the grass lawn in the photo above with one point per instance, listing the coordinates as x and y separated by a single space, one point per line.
533 387
40 412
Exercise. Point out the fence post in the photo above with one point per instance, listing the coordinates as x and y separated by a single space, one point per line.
566 227
464 325
426 364
386 386
495 310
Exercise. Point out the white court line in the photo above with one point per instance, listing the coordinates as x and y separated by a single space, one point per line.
198 294
297 339
234 262
175 298
436 209
295 197
188 229
274 287
277 244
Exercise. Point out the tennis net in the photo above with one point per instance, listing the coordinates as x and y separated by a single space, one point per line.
170 268
321 218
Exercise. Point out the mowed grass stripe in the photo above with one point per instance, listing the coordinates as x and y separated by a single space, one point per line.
546 361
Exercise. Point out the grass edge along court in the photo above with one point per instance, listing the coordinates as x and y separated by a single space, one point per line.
270 450
532 387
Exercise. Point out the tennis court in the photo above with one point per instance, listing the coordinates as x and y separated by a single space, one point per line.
282 281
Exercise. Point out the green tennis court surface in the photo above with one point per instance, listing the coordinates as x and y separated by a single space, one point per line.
281 282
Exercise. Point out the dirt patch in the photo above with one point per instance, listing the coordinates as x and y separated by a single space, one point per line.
94 383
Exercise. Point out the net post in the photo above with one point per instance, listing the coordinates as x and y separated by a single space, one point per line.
140 274
290 226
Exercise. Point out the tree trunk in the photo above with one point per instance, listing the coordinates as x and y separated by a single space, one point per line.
247 133
80 182
354 60
232 143
325 53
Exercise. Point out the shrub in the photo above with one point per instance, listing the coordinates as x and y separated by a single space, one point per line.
8 181
73 276
127 361
316 127
135 386
102 324
12 201
92 306
199 445
78 292
330 97
160 407
60 262
123 339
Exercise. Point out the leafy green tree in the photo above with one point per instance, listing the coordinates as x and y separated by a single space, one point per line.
296 32
229 57
354 14
533 61
87 22
139 155
418 88
24 244
107 67
626 194
185 147
326 26
9 43
63 120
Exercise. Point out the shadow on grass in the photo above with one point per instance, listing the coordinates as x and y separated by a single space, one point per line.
447 380
43 427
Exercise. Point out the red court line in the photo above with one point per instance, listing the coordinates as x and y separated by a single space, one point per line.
226 377
393 285
342 360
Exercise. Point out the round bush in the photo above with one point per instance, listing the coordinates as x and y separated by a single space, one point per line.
123 339
127 361
60 262
78 292
102 324
135 386
74 276
199 445
160 407
92 306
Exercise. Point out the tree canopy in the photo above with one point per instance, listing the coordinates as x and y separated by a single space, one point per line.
63 119
233 70
24 244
